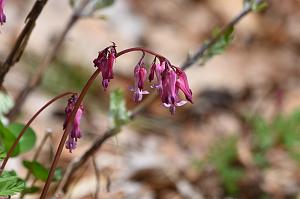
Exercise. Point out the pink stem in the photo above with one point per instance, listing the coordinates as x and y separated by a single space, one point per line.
139 49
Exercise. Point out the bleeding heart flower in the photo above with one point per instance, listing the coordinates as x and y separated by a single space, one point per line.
2 15
75 132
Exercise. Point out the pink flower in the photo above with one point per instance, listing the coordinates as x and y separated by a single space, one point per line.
140 73
169 95
105 62
183 85
75 132
2 15
157 69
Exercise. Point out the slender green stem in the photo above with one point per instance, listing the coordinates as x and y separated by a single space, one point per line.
12 148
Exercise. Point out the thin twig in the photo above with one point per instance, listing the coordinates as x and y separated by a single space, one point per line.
50 55
200 52
18 49
78 162
97 175
96 145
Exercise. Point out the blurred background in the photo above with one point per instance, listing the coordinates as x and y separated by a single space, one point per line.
240 138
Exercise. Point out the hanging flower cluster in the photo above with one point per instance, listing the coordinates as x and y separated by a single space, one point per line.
2 15
105 62
169 79
75 132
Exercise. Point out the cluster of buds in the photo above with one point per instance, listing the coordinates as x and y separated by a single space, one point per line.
170 79
2 15
104 62
75 133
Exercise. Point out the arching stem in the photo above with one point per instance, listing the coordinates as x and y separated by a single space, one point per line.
139 49
12 148
73 114
66 133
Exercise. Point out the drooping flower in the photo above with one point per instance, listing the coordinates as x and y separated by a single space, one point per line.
157 69
140 75
169 95
2 15
183 85
105 62
75 132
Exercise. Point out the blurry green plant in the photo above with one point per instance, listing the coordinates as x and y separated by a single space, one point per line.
40 172
8 134
95 5
283 131
255 5
74 77
117 108
10 183
6 103
223 156
218 47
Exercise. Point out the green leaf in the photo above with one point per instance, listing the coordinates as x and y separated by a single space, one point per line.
6 103
10 133
100 4
7 139
118 113
38 170
31 190
10 183
259 7
57 174
219 45
2 153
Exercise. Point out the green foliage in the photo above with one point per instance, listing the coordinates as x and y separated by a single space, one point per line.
31 190
283 131
263 135
40 172
10 133
58 174
74 77
10 183
222 42
6 103
100 4
259 7
255 5
95 5
28 141
118 112
223 156
2 153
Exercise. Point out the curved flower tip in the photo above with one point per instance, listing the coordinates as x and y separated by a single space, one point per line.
105 62
75 132
140 75
183 85
2 15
